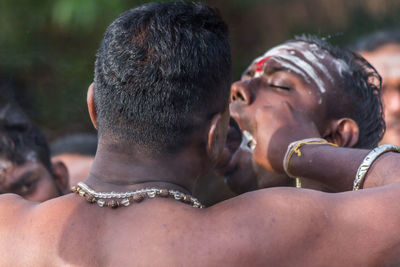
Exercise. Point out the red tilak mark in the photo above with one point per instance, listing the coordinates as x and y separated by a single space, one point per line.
260 64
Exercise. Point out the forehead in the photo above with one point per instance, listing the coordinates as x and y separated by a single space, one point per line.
315 65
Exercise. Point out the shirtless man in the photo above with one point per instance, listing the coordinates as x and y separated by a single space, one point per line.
382 50
335 88
159 101
25 167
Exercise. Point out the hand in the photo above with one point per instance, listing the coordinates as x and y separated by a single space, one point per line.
275 127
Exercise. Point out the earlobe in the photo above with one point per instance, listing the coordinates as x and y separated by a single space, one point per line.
343 132
61 176
91 105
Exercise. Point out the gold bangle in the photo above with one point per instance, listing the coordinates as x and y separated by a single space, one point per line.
295 148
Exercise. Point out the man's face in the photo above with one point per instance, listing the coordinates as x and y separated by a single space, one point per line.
386 60
30 180
299 73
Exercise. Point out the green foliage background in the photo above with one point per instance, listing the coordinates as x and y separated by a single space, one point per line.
47 47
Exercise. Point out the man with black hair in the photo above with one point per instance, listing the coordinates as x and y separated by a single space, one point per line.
336 89
25 167
160 103
382 50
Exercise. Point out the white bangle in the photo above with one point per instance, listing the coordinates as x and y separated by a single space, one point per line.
367 162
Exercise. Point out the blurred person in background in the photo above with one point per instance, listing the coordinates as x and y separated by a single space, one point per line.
25 167
77 152
382 50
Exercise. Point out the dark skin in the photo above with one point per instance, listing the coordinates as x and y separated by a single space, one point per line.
279 82
270 227
33 181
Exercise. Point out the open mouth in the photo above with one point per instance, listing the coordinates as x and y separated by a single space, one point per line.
248 141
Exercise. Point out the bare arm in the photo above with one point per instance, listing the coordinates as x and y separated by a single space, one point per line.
277 126
287 227
337 167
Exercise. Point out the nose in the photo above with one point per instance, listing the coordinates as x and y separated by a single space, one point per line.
240 93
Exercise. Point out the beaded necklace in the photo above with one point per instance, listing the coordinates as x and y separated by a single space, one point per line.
115 199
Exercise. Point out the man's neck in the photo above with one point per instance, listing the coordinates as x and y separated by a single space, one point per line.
113 170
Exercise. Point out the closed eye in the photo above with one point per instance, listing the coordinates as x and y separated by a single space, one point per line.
280 87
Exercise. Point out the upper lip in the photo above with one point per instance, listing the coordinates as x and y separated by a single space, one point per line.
240 117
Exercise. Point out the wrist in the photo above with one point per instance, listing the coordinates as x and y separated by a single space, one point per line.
295 151
307 165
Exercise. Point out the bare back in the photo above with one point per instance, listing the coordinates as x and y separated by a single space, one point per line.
276 227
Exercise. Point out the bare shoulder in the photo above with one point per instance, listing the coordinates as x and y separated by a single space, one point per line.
12 210
12 206
27 229
266 224
314 226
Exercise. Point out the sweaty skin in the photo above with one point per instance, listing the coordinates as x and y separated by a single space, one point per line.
270 227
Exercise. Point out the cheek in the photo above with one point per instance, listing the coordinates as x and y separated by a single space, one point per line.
269 98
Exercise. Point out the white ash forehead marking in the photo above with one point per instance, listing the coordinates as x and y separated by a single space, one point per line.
283 52
320 53
310 56
341 66
291 67
312 53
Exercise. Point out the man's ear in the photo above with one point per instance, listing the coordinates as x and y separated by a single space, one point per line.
91 105
61 176
343 132
217 136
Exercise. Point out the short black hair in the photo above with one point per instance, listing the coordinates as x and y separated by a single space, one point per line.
376 40
162 69
80 143
20 140
362 85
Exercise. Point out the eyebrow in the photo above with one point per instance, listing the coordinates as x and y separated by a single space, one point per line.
272 69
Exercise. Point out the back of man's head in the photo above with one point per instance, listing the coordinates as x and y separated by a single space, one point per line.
162 71
359 92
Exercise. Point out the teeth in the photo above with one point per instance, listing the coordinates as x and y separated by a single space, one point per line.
248 141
